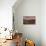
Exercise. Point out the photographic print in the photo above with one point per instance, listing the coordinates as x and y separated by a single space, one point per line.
29 19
